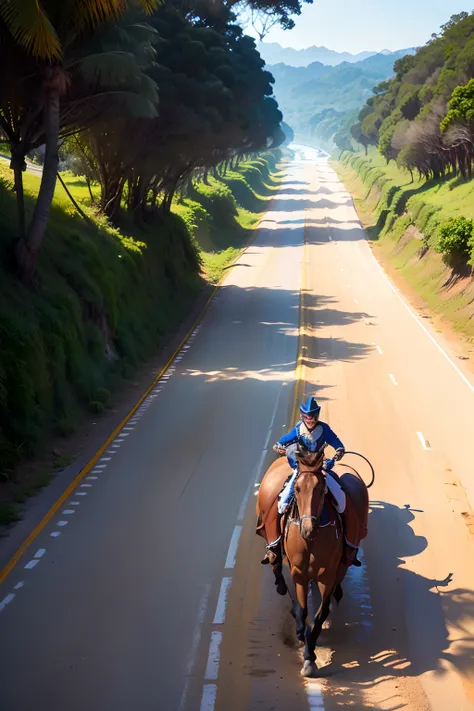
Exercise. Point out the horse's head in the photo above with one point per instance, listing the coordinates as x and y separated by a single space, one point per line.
310 490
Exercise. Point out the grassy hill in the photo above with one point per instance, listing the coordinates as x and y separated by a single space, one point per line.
404 219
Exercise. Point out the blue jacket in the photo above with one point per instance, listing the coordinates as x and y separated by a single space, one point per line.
315 440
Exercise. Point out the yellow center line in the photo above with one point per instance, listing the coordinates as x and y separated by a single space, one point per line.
300 370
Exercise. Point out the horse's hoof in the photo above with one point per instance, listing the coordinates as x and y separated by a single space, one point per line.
310 670
281 587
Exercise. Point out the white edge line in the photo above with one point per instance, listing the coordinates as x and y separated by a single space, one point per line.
219 617
414 316
214 657
233 546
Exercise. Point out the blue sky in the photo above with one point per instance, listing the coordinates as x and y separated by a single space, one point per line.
356 25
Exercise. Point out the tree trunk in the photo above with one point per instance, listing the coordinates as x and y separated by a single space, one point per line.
71 198
18 165
88 182
27 249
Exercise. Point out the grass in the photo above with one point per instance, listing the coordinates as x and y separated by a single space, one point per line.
104 300
403 218
221 216
9 513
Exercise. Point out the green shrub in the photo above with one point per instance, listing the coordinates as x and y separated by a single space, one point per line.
456 237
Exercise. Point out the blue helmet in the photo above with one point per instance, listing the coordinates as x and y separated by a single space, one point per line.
310 407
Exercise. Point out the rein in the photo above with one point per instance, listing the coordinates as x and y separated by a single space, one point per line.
298 520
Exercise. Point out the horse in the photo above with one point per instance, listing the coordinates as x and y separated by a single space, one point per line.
312 539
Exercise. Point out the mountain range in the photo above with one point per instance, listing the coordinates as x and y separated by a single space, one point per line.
274 53
320 99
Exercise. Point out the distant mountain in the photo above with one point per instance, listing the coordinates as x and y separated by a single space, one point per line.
274 53
305 94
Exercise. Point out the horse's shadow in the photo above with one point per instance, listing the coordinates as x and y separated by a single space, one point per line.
392 621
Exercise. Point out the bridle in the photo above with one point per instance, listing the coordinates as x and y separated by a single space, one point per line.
298 521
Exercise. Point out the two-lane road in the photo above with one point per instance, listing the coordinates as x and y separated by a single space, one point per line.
145 591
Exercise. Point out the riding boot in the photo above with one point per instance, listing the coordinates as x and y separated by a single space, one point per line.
273 554
350 556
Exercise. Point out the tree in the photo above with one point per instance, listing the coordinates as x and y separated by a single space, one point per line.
49 91
359 136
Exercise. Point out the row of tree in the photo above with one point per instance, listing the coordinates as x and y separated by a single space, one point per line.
424 117
142 92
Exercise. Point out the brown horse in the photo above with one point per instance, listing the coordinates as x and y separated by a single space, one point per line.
313 546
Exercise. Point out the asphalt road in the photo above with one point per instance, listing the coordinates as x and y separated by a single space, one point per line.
152 596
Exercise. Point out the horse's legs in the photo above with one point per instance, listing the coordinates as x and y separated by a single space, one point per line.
300 607
321 616
279 579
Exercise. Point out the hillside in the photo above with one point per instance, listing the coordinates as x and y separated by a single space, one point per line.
405 222
423 117
303 93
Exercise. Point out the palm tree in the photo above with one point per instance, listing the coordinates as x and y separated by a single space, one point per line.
47 41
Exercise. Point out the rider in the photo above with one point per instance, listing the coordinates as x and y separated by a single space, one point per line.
314 435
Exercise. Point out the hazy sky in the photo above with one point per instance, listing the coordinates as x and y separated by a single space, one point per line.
356 25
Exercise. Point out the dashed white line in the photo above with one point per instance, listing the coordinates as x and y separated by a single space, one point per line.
101 466
392 378
85 486
379 350
55 534
214 657
40 553
68 512
315 696
356 301
81 493
233 545
62 523
424 442
7 600
208 700
18 585
31 564
219 617
105 459
91 478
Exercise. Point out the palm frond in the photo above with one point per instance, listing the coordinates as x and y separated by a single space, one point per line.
120 102
114 68
96 12
30 26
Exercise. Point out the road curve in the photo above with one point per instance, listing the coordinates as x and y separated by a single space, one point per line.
152 596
